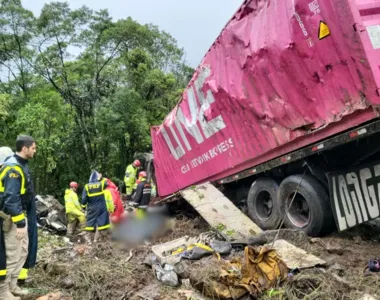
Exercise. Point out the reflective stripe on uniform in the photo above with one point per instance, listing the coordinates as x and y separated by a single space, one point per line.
18 218
104 227
19 170
3 272
95 194
23 274
88 228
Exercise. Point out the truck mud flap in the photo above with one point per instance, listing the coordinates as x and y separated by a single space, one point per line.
355 195
220 212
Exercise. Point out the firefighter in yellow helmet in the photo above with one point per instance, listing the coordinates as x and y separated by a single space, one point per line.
130 177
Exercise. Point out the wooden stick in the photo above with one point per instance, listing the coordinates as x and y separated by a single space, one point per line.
130 256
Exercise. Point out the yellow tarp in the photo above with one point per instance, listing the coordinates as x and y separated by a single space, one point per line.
260 270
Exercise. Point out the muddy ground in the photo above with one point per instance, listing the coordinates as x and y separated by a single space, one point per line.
104 271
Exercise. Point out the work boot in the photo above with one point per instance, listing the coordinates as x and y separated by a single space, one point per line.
96 236
89 237
5 293
22 282
16 290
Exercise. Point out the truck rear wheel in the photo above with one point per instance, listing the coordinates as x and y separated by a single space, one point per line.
310 210
262 203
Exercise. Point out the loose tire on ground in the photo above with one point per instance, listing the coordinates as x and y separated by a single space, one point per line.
262 203
311 210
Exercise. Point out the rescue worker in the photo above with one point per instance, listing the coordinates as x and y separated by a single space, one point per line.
74 213
18 222
130 178
118 214
135 188
143 192
94 197
108 196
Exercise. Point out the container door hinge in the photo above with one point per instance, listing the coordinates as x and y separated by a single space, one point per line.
359 27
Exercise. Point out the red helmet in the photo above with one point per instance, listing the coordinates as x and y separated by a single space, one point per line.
137 163
73 184
142 174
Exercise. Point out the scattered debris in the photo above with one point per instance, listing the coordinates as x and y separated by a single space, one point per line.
166 275
67 283
260 269
294 257
374 265
336 267
182 269
221 247
164 251
81 269
207 237
220 212
130 256
194 251
331 248
50 213
343 281
150 260
56 268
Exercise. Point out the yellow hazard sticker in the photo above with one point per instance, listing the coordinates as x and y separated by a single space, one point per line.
324 30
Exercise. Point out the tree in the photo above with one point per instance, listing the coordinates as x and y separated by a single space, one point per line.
87 87
16 33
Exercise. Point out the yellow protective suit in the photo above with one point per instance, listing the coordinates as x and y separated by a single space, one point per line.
130 179
75 215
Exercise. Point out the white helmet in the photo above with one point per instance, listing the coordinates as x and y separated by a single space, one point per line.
5 152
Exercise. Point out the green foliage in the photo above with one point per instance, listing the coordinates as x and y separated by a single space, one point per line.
86 87
5 106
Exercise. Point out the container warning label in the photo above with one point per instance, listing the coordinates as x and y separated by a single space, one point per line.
324 30
374 35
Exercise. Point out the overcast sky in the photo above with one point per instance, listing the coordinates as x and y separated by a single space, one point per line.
194 24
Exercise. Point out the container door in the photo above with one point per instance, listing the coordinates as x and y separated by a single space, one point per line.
367 17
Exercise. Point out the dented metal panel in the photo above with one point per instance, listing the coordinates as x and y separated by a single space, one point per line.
281 75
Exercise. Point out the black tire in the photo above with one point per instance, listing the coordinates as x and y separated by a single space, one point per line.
311 210
241 195
262 203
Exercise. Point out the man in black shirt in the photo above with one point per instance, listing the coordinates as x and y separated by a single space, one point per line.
143 191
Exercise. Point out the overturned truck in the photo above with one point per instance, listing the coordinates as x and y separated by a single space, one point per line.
283 113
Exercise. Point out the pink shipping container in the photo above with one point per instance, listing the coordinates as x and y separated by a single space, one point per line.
282 75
